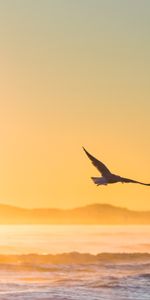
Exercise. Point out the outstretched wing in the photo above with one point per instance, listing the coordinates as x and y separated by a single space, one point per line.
98 164
127 180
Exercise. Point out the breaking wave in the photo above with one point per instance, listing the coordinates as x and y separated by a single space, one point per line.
74 258
75 275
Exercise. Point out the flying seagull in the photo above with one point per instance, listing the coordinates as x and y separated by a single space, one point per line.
107 176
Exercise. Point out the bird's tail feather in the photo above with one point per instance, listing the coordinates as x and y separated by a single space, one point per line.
99 180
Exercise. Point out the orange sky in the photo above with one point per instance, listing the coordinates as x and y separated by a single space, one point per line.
73 74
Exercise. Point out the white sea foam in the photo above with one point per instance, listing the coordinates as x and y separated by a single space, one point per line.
74 274
122 276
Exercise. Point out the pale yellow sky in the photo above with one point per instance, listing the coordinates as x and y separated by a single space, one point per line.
72 74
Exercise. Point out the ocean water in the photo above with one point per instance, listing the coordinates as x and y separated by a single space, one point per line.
74 262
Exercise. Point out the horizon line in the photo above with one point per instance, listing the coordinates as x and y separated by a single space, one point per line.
82 206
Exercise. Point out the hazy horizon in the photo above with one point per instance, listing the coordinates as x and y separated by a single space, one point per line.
73 207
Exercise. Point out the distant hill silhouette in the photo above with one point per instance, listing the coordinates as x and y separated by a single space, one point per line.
90 214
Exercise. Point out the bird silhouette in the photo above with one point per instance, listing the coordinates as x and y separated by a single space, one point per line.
107 176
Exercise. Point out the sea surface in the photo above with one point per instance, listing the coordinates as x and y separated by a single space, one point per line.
53 262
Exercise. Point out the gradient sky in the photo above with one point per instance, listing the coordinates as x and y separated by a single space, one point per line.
74 73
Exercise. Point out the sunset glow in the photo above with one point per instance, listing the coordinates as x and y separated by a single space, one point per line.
74 74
